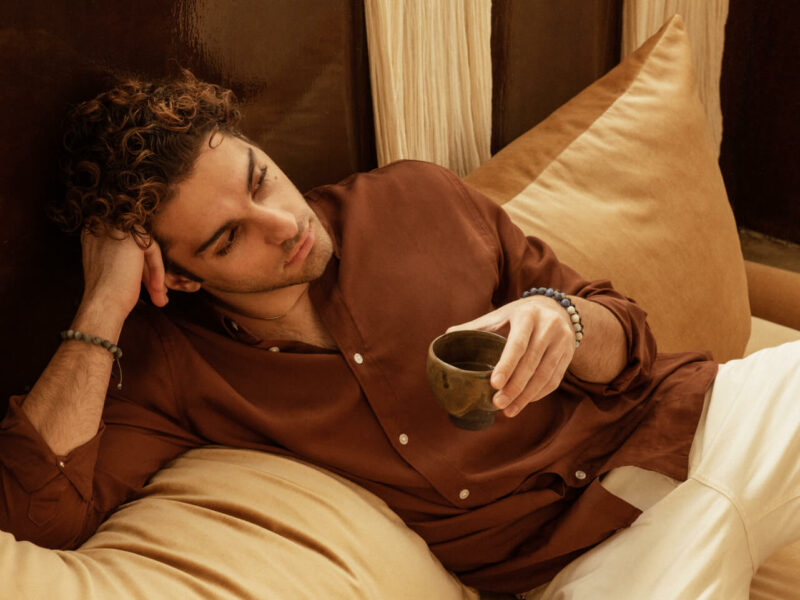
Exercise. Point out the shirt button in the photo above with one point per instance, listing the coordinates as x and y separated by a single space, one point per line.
403 439
358 358
274 349
463 494
61 464
580 475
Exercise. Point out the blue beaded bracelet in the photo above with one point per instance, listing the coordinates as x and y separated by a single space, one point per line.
564 301
116 351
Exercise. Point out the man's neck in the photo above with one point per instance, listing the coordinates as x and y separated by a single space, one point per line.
299 321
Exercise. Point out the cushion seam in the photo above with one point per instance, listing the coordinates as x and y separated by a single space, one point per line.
590 125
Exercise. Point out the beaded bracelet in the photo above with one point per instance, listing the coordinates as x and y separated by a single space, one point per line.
564 301
116 351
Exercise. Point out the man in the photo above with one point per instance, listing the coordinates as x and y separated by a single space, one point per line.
302 330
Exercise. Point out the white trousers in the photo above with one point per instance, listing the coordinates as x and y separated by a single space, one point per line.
706 537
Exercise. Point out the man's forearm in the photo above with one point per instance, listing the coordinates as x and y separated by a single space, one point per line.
603 352
66 403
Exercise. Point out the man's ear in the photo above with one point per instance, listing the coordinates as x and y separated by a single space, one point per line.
181 283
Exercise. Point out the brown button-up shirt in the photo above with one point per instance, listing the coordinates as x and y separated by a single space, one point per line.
415 251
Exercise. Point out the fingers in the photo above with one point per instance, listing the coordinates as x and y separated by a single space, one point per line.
517 345
520 361
145 272
533 363
489 322
153 275
546 378
538 351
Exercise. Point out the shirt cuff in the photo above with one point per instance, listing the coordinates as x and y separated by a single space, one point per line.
31 461
641 345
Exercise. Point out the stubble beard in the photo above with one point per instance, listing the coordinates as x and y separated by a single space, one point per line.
314 267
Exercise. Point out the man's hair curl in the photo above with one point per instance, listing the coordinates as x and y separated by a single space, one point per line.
129 146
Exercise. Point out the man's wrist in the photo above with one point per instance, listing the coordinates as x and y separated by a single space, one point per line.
99 319
573 317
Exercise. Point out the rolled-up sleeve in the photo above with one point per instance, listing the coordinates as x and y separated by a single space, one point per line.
58 501
44 494
641 344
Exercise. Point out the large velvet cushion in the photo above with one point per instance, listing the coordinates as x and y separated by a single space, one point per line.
230 524
623 183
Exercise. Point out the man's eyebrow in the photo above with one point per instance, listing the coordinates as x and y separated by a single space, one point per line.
202 247
250 167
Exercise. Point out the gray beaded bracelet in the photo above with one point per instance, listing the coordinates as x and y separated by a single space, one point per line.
562 299
116 351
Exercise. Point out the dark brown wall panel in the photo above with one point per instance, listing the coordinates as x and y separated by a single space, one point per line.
760 94
543 54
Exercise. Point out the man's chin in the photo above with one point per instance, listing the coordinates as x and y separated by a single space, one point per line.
313 268
262 287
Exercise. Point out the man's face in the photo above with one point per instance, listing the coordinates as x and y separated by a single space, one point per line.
240 225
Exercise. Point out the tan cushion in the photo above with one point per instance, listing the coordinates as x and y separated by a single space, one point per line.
230 524
765 334
623 183
779 577
774 293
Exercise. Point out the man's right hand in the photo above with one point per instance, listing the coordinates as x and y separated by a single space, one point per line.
114 266
66 402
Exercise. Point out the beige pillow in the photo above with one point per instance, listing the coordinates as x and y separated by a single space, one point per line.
623 183
231 524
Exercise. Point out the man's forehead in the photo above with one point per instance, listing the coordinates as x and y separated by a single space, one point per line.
220 171
201 200
221 154
183 222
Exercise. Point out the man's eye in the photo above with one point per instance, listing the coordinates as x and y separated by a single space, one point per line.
226 247
261 178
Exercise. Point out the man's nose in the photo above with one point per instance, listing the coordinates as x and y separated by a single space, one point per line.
277 225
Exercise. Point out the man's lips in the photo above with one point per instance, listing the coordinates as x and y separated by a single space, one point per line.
302 247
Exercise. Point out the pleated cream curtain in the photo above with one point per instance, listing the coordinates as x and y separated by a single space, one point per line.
705 24
431 76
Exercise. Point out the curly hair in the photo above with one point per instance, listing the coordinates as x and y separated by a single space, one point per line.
129 146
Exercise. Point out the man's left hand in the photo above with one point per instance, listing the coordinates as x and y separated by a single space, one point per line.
540 347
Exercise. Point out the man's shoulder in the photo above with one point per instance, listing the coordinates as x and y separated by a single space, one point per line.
399 176
414 185
411 167
403 199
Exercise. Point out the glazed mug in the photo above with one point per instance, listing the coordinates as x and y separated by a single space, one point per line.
459 366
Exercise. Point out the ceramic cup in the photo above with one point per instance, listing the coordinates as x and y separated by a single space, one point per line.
459 366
